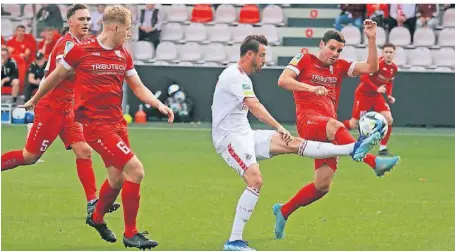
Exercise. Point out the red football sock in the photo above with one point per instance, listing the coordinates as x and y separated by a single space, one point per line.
387 136
130 199
12 159
347 124
106 199
307 195
342 136
87 177
370 160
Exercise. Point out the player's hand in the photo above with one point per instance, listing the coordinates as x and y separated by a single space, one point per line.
320 90
28 105
165 110
285 134
381 89
391 99
370 28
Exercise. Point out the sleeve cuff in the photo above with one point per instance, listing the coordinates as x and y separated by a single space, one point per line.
351 69
131 72
293 68
66 65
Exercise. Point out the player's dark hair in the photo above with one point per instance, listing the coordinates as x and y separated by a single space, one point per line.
65 30
73 8
389 45
251 43
20 26
4 49
333 34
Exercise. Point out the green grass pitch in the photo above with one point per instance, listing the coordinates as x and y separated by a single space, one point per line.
189 194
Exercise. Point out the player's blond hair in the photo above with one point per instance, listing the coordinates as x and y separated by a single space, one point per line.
116 14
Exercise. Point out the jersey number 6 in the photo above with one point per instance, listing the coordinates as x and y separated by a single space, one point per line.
122 146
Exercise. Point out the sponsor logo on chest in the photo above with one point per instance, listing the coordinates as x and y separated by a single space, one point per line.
324 80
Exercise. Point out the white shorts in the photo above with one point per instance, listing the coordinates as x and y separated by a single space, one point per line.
241 151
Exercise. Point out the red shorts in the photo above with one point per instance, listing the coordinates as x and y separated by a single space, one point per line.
111 142
314 127
47 126
363 104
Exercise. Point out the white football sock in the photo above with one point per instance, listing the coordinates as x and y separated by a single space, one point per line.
245 208
314 149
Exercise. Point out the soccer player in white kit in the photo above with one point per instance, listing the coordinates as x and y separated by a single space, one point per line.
241 147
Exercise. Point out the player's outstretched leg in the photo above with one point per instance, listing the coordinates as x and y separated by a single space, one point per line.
336 131
29 128
314 149
13 159
245 208
134 173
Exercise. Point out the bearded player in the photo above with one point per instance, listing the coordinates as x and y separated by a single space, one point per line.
316 81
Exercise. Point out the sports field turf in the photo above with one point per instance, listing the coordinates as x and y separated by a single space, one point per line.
189 194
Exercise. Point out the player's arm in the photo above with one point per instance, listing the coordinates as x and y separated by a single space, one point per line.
389 87
260 112
59 74
372 64
288 81
288 78
145 95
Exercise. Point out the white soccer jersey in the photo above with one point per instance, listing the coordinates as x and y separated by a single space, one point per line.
229 114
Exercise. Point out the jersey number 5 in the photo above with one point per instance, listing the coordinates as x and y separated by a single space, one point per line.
44 145
122 146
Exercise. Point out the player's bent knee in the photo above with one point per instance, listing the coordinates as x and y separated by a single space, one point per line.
253 177
388 117
389 120
332 127
322 185
82 150
134 171
30 158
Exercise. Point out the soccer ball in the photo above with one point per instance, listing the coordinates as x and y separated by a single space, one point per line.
372 121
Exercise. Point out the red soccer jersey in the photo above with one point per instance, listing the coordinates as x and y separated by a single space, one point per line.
100 73
384 76
310 70
61 97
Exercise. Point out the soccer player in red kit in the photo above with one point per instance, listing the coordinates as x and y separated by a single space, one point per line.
54 116
101 65
316 81
369 94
